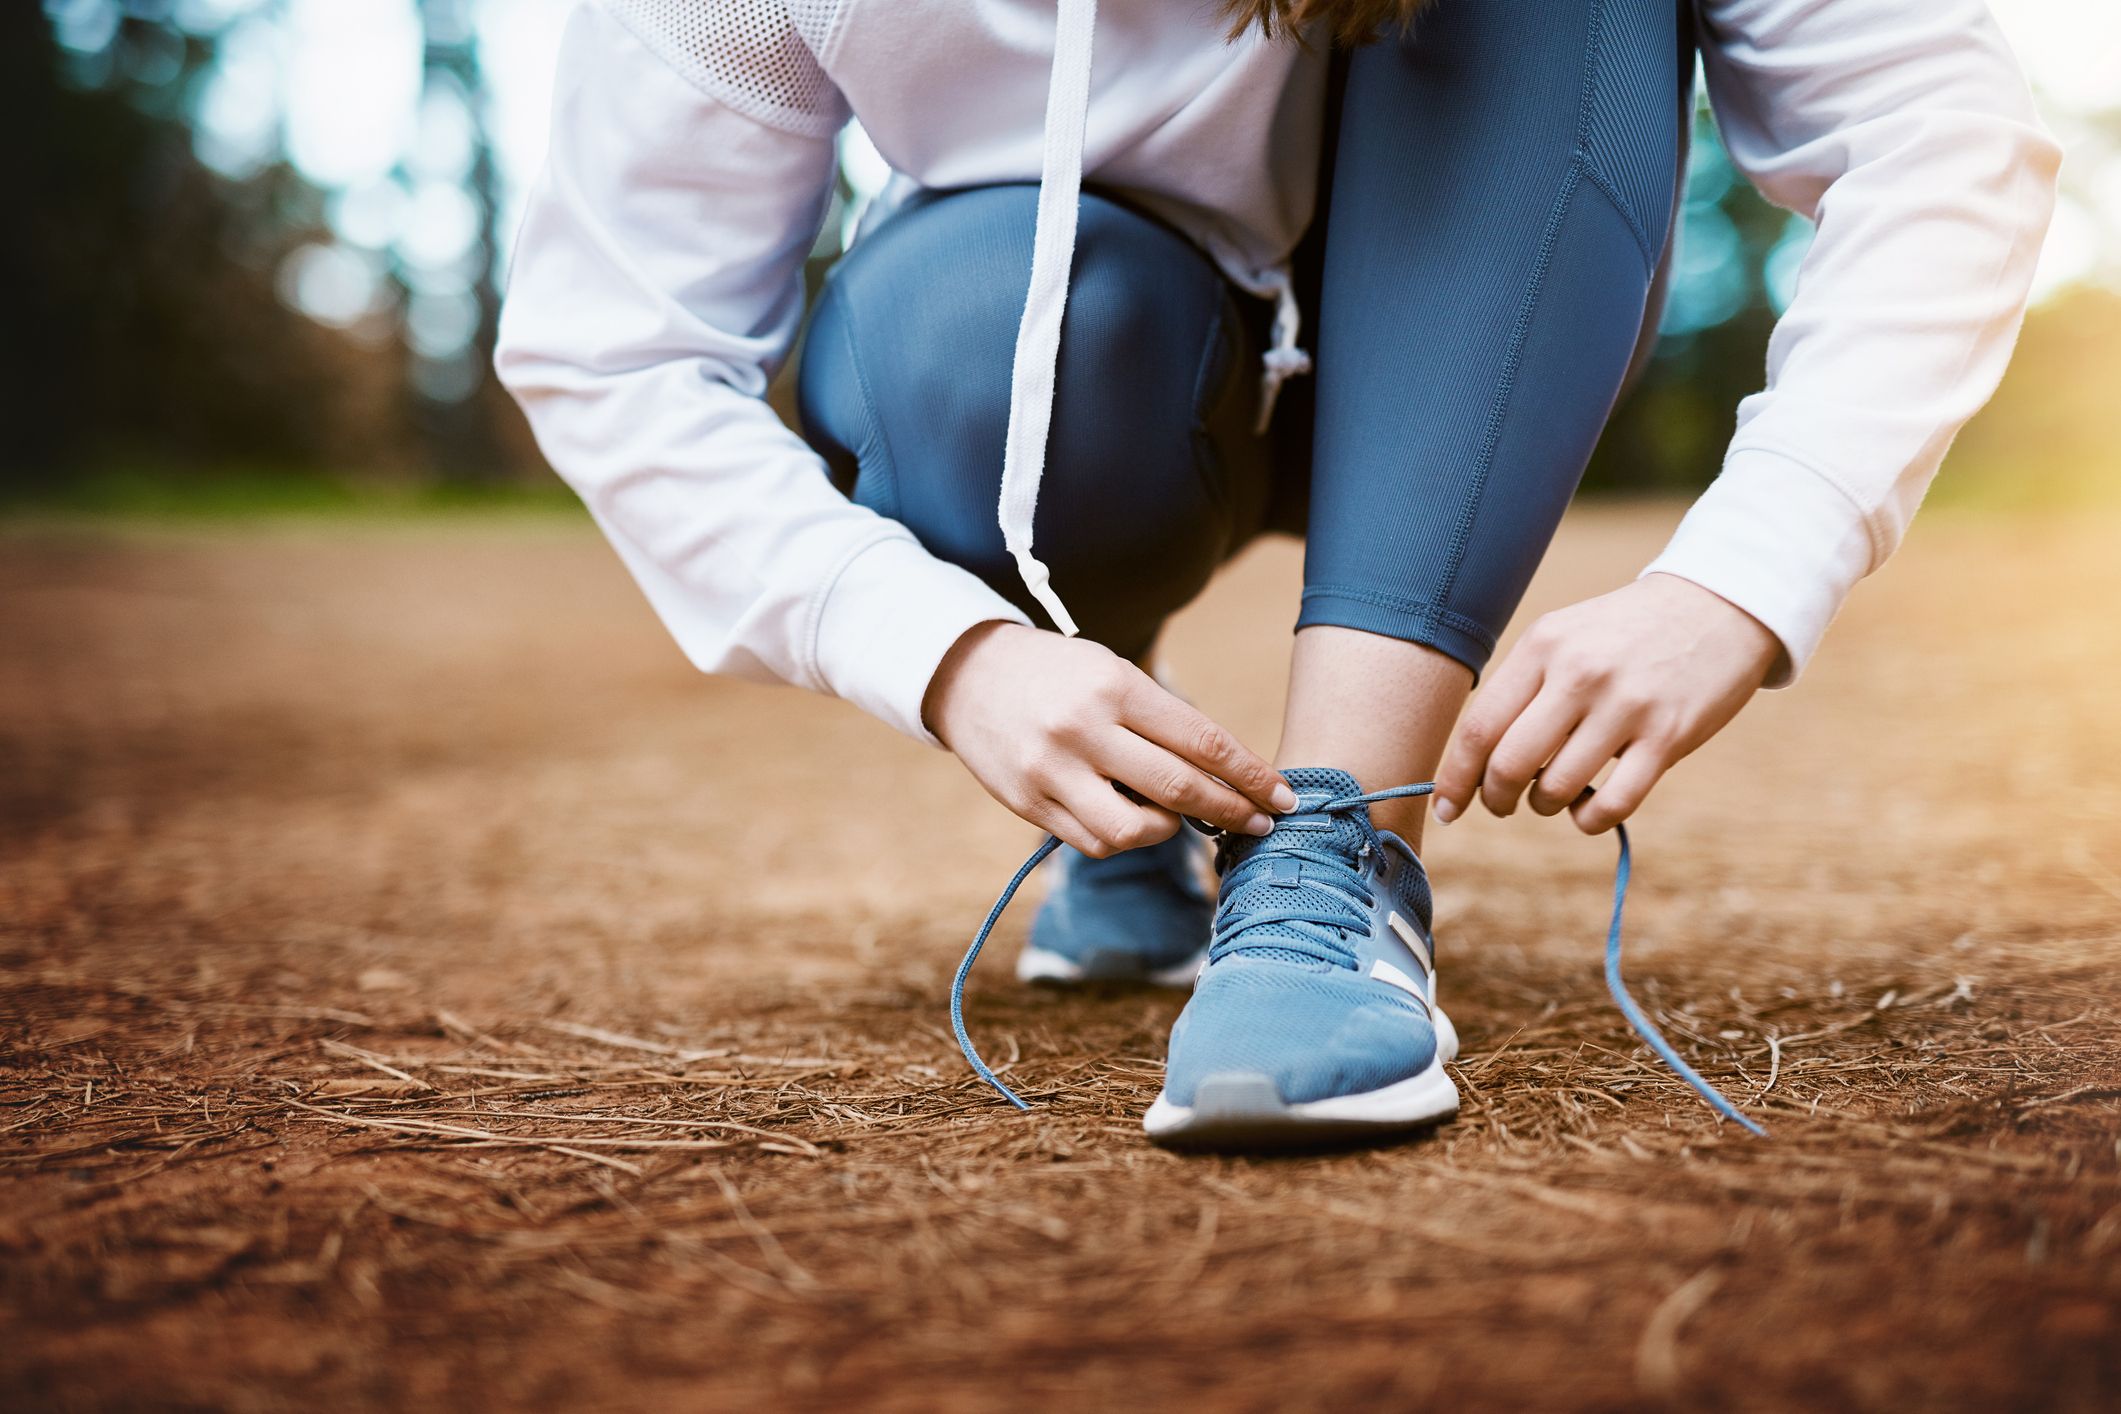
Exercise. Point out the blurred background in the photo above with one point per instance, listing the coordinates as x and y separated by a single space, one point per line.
350 798
260 247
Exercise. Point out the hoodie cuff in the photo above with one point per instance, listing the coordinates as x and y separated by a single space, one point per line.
886 621
1781 542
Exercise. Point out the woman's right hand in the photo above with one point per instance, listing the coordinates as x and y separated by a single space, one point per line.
1048 724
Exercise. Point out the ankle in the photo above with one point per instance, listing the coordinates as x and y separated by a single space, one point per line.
1378 708
1403 818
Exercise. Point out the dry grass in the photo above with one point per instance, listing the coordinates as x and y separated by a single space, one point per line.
414 987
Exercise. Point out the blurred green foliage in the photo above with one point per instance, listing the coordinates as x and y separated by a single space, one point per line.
146 320
162 493
1669 431
150 361
140 318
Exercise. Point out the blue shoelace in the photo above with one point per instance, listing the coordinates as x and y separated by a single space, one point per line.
1324 940
1226 933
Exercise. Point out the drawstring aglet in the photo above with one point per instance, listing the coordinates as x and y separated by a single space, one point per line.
1280 366
1039 580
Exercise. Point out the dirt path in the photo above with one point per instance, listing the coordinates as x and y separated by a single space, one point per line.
418 988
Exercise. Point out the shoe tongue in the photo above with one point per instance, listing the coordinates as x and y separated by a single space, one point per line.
1343 832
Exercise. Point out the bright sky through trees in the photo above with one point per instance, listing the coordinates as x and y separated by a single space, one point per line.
336 85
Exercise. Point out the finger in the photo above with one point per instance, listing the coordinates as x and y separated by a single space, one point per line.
1177 784
1116 823
1059 821
1183 729
1641 766
1595 741
1494 708
1532 740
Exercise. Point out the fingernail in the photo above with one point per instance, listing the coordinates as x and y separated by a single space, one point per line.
1446 812
1284 797
1259 825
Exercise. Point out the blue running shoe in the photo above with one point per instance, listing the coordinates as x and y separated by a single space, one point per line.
1139 917
1315 1019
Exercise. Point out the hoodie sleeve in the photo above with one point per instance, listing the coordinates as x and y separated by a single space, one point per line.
1907 132
656 287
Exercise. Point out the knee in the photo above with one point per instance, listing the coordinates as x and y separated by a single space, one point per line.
911 357
1136 505
831 409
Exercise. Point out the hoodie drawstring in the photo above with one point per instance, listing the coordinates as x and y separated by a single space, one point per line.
1033 375
1060 186
1284 360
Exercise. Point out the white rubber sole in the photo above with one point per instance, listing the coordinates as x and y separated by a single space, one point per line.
1243 1110
1054 970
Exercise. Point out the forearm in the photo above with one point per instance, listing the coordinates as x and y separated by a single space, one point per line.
1908 133
656 288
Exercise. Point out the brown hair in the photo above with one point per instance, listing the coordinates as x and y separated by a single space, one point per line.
1346 21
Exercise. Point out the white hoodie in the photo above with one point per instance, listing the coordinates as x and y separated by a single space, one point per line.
657 282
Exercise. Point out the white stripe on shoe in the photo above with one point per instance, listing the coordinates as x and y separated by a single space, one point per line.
1416 944
1385 972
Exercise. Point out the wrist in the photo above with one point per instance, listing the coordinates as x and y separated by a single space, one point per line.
960 665
1747 636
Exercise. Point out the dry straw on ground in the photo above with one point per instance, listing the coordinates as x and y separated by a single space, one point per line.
414 987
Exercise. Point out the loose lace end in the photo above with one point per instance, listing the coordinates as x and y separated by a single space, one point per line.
964 970
1615 984
1617 987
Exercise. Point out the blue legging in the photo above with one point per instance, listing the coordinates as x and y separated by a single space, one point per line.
1495 203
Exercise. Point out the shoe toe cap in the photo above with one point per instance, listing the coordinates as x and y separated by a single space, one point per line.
1316 1034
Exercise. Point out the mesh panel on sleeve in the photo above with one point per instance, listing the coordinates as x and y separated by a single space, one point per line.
815 20
754 55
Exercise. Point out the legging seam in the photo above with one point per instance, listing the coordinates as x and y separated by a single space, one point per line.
1204 462
1506 386
1520 331
885 465
1619 204
1586 120
1432 615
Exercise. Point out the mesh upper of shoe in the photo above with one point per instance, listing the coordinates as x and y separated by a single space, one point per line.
759 57
1341 832
1146 902
1313 1024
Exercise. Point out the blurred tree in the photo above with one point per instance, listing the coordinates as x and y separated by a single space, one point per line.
462 411
1669 432
140 321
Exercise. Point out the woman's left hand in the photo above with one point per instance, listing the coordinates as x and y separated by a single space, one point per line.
1644 674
